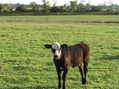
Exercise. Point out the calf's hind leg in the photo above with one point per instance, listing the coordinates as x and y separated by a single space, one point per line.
85 71
81 68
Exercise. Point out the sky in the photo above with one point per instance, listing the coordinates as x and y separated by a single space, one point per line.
62 2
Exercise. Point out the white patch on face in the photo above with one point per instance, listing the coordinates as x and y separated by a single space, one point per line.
57 54
56 46
57 50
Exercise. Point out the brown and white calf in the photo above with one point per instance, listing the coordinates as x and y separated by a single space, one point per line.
65 56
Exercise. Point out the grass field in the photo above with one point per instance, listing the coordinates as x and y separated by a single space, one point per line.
26 64
62 19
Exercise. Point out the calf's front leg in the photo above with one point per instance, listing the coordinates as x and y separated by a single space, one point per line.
59 78
64 77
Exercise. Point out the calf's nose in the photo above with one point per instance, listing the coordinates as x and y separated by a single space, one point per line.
55 56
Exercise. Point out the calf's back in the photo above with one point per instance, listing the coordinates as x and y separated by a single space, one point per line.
75 55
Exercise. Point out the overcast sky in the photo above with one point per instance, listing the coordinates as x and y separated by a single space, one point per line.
62 2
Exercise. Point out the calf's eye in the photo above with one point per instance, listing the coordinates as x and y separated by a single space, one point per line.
53 50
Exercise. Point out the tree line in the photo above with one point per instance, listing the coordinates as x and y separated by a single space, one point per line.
72 8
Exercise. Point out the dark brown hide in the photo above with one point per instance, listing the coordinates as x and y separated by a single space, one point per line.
75 55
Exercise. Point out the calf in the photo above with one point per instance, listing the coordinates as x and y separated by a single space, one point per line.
65 56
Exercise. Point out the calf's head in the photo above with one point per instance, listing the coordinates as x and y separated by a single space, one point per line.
56 49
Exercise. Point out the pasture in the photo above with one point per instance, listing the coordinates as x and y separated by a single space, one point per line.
26 64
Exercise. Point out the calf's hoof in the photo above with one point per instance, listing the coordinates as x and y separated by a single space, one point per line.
59 86
63 87
84 82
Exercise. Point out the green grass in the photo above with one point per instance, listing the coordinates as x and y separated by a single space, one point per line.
26 64
61 19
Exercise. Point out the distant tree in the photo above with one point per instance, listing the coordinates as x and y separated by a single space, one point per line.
46 7
5 8
81 7
55 9
73 6
35 7
0 7
20 8
84 8
88 7
96 8
64 8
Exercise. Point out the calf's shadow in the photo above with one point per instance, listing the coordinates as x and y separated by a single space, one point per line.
109 58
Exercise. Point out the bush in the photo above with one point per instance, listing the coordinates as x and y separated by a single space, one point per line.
5 8
20 8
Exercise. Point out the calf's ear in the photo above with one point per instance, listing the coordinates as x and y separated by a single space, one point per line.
47 46
64 45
